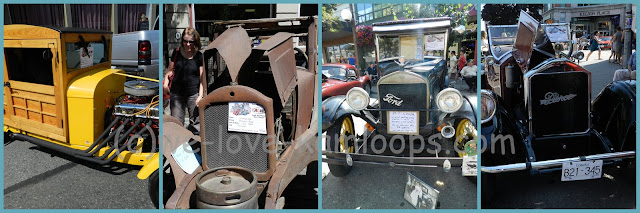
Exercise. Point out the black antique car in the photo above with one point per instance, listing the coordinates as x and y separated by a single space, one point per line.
542 120
416 121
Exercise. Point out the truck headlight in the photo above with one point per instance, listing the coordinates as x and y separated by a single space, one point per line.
487 106
358 98
449 100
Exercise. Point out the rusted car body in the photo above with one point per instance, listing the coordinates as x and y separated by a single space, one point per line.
266 75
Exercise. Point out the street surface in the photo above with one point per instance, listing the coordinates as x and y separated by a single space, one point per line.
382 187
39 178
616 189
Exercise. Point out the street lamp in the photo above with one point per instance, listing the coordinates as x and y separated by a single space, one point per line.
347 16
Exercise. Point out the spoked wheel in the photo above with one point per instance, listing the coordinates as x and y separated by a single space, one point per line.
341 138
466 141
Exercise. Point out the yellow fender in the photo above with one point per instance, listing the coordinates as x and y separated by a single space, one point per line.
150 167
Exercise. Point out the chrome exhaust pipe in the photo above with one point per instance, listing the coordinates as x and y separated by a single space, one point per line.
448 131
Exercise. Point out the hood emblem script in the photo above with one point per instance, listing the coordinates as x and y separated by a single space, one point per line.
554 97
392 99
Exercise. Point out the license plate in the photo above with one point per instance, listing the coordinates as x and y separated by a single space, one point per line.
581 170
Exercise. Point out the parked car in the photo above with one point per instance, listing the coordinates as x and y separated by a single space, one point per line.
605 42
60 93
263 107
538 116
414 102
338 79
137 52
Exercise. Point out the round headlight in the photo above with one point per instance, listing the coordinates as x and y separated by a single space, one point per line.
449 100
358 98
487 106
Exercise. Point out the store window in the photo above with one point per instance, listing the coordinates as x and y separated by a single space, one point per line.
367 12
338 52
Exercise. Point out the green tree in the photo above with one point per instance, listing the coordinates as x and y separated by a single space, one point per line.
507 14
457 12
330 22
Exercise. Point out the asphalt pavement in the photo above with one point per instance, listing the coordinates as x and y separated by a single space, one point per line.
616 189
40 178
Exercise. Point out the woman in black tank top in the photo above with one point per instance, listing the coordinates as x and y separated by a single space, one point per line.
186 71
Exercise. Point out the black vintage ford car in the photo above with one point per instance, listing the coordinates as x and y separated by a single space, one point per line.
415 120
542 120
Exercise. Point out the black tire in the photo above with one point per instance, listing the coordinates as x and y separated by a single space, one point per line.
154 182
332 144
168 186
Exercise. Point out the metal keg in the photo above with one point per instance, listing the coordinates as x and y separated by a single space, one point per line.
227 188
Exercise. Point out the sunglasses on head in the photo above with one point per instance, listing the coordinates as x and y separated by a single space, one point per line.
188 42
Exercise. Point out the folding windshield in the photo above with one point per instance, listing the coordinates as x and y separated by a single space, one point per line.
416 48
334 72
501 39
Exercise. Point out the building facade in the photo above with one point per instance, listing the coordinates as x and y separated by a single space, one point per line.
587 18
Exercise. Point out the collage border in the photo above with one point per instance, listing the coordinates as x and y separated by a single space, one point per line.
161 3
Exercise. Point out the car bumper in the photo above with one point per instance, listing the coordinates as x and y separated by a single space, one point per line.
557 163
351 159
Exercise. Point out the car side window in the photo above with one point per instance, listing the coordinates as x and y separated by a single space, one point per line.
351 73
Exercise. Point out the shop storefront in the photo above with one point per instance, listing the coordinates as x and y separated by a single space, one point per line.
587 19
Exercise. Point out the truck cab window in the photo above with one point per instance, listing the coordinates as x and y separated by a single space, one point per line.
31 65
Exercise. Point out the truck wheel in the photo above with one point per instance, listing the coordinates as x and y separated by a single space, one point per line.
167 188
340 138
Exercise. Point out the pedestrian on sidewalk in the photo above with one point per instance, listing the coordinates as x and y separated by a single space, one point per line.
594 45
453 63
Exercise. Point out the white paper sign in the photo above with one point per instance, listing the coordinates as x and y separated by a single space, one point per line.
86 60
557 33
434 42
402 122
185 158
247 117
470 165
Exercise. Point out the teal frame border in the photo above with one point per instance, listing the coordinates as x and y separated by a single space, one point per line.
161 3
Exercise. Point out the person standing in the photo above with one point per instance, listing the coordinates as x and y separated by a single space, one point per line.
594 45
453 63
462 61
187 85
618 38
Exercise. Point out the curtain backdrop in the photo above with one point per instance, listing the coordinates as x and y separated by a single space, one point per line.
94 16
129 15
37 14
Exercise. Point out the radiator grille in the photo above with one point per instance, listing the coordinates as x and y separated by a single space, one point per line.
224 148
413 96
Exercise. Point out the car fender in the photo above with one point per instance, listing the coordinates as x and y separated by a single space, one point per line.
614 113
150 167
334 108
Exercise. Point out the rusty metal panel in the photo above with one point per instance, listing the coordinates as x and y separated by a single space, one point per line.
306 90
283 63
234 45
312 47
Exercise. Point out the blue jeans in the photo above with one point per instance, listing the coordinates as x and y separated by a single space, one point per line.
178 103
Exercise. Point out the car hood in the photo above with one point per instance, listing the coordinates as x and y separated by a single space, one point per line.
331 82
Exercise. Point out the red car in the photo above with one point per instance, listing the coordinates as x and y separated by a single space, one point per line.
338 79
605 42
